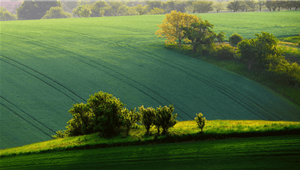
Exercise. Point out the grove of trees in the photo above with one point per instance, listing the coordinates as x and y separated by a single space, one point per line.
31 9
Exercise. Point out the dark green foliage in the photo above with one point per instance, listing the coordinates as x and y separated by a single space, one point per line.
234 39
6 15
200 121
56 12
107 113
255 51
164 118
202 34
35 9
148 117
224 52
103 113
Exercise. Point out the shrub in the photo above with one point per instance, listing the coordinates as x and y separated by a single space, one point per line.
164 118
286 72
56 12
130 118
224 52
81 122
254 51
59 134
148 117
234 39
200 121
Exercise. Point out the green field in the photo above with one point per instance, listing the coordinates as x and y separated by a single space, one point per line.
274 152
48 65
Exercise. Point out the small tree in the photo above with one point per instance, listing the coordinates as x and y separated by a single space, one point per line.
234 39
201 34
56 12
107 115
172 25
130 118
148 117
200 121
255 51
164 118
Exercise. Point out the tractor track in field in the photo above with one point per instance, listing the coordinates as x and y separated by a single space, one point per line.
35 76
114 75
222 88
44 76
27 115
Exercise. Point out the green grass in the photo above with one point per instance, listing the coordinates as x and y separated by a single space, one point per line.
273 152
182 131
48 65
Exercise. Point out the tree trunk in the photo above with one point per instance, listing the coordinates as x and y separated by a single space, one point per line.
179 43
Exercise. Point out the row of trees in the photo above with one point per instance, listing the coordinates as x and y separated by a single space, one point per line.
37 9
107 115
260 52
252 5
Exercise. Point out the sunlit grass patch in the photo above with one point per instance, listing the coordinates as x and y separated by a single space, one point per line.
182 131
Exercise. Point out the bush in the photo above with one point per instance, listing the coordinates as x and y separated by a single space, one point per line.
148 117
56 12
234 39
164 118
200 121
288 73
254 51
59 134
224 52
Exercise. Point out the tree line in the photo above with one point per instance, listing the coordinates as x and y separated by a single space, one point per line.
31 9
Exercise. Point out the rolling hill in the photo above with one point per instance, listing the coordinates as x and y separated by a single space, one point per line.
48 65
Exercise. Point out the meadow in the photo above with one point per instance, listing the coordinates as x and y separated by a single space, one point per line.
48 65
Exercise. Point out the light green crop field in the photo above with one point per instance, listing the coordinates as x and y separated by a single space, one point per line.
48 65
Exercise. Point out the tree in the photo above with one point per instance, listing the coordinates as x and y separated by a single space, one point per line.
56 12
252 5
140 9
261 3
296 4
200 121
171 28
203 6
6 15
116 5
218 6
164 118
35 9
85 11
255 51
234 5
96 7
201 34
157 11
148 117
132 11
271 5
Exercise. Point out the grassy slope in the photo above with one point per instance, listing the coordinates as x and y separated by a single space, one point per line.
182 131
279 152
48 65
